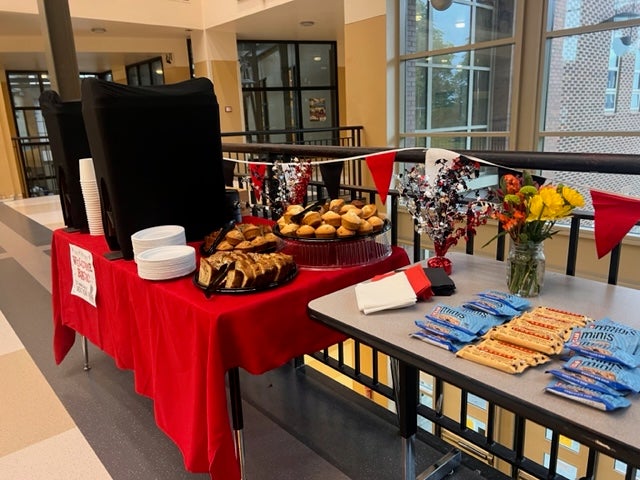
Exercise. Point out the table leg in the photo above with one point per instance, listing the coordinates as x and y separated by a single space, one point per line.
405 382
236 417
85 354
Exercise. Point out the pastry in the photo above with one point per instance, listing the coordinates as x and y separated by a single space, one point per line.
369 210
289 229
342 232
326 231
349 207
271 239
259 244
376 222
234 236
332 218
359 203
250 231
244 246
312 218
224 246
291 211
306 231
365 228
351 220
336 204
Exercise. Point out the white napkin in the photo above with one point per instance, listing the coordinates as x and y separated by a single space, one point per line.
393 291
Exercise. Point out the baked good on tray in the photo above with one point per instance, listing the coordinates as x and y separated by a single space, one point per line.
335 219
236 270
245 237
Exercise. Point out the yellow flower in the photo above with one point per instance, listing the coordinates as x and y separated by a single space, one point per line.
572 197
547 205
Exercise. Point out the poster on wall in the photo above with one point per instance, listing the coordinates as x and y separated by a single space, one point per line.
317 110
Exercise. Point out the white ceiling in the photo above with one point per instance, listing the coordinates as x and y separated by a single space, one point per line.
278 23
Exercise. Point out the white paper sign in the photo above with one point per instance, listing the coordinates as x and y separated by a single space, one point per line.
84 276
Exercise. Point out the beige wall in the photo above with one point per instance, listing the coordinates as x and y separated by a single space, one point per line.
10 177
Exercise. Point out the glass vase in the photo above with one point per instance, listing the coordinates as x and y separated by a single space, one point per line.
525 268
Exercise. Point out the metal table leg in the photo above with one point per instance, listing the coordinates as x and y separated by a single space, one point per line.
236 417
85 354
405 382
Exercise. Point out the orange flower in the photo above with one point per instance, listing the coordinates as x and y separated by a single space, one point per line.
512 183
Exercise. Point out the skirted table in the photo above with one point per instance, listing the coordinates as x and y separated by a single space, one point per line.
180 344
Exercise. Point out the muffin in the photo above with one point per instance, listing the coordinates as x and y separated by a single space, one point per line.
358 202
336 204
342 232
289 229
306 231
376 222
291 211
332 218
326 231
369 210
351 220
312 218
365 228
347 208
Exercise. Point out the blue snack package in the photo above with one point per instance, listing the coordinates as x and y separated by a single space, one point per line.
631 334
584 381
513 301
438 340
494 307
604 345
461 318
584 395
612 374
446 330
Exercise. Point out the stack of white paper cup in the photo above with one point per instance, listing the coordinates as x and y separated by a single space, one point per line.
91 196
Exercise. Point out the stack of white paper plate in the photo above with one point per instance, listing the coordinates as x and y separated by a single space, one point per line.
170 261
160 236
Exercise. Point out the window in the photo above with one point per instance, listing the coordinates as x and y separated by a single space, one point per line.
149 72
455 70
289 86
635 86
611 92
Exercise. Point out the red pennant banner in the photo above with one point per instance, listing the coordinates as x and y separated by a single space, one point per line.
381 168
614 215
258 172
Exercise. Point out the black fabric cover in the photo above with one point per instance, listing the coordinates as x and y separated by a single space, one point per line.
68 143
157 152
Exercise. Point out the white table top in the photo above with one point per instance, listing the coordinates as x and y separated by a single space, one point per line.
614 433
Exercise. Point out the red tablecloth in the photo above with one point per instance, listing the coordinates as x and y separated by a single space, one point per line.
180 345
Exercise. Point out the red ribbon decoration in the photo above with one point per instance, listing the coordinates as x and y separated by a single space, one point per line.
258 172
614 215
381 168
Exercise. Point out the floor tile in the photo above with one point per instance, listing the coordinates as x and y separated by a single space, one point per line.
30 410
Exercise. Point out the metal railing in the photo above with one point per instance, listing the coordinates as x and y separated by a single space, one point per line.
488 443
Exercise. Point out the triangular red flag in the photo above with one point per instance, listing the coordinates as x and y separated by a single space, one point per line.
381 168
614 215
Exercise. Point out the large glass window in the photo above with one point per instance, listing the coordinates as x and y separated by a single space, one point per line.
289 86
456 74
149 72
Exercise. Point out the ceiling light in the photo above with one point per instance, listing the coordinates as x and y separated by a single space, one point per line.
98 30
307 23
